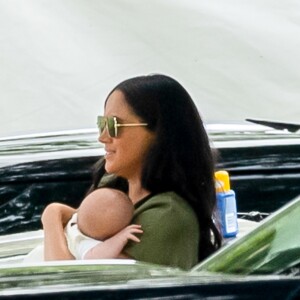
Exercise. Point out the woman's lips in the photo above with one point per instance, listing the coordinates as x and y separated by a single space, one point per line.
109 153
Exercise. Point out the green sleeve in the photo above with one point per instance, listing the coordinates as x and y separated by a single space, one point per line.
170 232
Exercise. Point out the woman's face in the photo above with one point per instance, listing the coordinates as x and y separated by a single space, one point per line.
126 152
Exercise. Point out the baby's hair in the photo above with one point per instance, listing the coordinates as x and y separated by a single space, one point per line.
104 212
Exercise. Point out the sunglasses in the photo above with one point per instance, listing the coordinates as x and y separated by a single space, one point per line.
111 125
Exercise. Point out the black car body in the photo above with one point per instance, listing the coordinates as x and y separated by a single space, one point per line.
264 264
264 167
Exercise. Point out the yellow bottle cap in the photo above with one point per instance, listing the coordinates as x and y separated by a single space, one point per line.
222 181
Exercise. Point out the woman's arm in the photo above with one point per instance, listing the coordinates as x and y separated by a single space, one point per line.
54 219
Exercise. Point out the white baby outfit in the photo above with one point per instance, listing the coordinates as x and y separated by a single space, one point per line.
78 243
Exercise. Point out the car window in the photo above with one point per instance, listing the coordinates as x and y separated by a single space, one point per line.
272 248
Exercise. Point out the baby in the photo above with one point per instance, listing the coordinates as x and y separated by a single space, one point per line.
99 228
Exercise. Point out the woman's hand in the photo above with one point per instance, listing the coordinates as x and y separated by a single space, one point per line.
54 219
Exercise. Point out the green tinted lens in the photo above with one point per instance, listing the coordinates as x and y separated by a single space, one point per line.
107 123
112 129
101 122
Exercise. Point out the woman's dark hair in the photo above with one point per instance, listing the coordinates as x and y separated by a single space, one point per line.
180 159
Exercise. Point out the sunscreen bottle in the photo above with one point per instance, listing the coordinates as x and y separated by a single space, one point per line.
226 205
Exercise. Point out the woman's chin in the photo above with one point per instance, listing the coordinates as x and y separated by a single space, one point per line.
109 168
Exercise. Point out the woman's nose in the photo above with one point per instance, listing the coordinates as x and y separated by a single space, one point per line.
104 136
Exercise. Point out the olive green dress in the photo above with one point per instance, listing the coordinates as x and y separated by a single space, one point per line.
170 231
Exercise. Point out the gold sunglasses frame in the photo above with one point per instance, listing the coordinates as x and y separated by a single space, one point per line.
116 125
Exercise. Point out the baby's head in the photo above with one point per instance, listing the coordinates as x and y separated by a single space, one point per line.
104 212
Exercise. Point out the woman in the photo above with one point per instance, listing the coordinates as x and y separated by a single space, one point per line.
158 152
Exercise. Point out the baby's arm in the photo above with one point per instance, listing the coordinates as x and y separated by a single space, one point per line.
54 219
112 247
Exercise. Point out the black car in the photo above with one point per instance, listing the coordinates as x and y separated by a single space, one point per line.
263 163
264 167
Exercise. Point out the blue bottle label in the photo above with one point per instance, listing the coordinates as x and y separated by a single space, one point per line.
228 213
